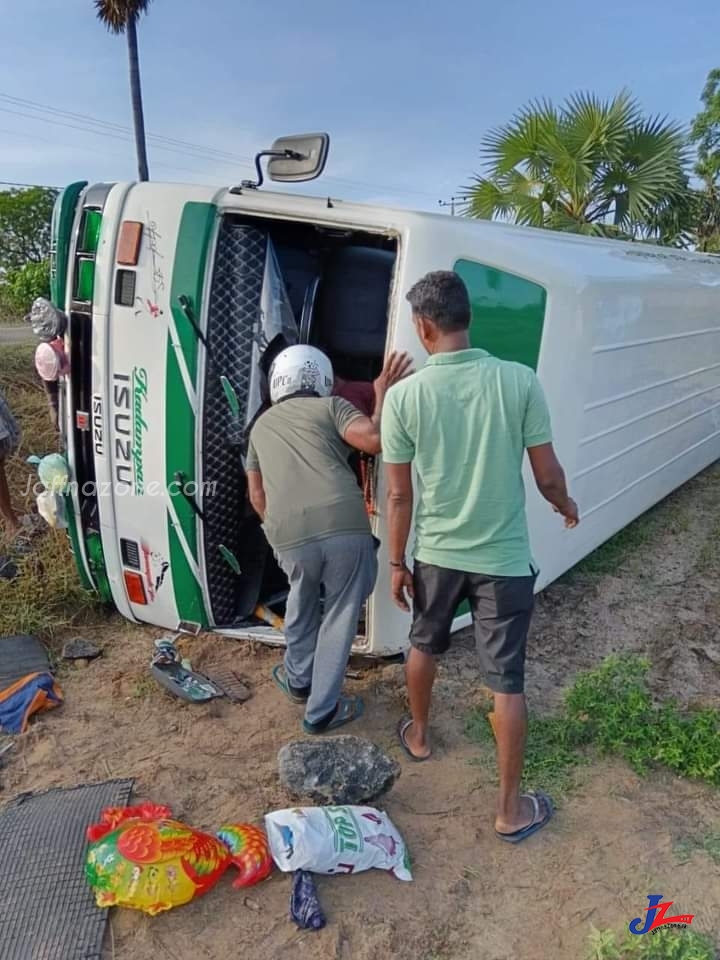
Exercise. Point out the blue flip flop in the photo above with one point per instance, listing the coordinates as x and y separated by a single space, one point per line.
283 684
540 819
347 710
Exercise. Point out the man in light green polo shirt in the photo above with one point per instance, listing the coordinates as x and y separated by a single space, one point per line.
464 423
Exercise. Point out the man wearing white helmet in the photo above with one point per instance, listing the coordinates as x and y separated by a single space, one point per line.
303 488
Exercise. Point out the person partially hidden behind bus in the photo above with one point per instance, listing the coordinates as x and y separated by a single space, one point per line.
314 517
359 393
465 421
9 440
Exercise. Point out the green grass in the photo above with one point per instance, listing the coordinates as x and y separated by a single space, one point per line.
708 843
670 516
551 755
47 596
610 710
709 555
664 945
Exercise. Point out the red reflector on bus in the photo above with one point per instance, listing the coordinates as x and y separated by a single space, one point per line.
82 420
135 587
128 249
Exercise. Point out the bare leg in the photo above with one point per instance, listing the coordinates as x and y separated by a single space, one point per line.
6 509
420 676
510 734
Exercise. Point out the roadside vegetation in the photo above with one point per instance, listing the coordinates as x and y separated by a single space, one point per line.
46 597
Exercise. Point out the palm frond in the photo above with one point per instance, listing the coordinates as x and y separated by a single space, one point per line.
116 14
520 142
597 127
593 166
530 211
485 199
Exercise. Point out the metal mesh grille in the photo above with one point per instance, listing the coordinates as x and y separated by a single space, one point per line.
234 305
47 910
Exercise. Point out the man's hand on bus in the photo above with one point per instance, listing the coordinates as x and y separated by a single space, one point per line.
397 366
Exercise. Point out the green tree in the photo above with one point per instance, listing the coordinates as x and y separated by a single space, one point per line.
705 133
25 217
23 285
121 16
590 166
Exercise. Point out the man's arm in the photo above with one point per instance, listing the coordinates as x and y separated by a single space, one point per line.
550 480
399 518
363 433
537 439
256 492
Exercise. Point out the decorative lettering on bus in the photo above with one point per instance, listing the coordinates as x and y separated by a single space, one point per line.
130 394
140 393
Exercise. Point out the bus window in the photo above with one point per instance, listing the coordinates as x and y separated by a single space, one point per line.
508 312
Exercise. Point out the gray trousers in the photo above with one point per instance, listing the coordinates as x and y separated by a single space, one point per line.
344 568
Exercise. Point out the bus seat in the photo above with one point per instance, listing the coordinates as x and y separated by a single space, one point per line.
350 315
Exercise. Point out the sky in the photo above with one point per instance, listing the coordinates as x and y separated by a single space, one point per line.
405 88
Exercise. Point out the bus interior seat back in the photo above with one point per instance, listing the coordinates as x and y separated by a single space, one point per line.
350 315
298 268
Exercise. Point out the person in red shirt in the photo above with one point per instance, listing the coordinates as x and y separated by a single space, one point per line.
357 392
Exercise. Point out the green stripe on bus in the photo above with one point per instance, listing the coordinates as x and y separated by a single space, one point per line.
188 275
61 236
75 544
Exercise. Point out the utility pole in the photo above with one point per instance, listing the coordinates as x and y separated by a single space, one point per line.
449 203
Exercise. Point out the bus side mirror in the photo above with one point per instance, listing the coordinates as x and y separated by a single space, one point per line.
291 160
298 159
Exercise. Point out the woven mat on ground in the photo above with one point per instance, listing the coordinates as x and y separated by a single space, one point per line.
47 910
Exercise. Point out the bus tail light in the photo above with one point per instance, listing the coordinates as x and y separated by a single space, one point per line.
135 587
128 251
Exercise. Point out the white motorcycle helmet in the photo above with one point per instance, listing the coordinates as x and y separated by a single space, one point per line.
300 369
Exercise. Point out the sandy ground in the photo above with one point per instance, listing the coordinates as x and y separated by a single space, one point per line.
612 843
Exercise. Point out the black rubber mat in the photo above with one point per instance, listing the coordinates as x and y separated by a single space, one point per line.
20 655
47 910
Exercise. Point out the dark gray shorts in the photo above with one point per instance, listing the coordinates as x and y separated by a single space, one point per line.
501 609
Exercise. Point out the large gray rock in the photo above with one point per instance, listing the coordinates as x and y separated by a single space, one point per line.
338 770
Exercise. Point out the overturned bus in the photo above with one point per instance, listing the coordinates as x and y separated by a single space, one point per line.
178 297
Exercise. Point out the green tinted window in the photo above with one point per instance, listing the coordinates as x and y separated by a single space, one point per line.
507 312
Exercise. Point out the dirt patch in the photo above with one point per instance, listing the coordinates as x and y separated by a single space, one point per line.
614 840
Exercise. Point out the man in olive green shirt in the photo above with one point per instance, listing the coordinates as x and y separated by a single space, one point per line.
314 517
464 423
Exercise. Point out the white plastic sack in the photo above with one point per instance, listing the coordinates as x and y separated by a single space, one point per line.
51 509
53 471
336 840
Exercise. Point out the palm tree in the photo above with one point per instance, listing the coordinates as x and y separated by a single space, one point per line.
589 166
121 16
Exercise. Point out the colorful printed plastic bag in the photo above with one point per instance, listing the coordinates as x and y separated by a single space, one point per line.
140 857
336 840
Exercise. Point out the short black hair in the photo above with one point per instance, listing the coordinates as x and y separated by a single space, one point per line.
442 298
